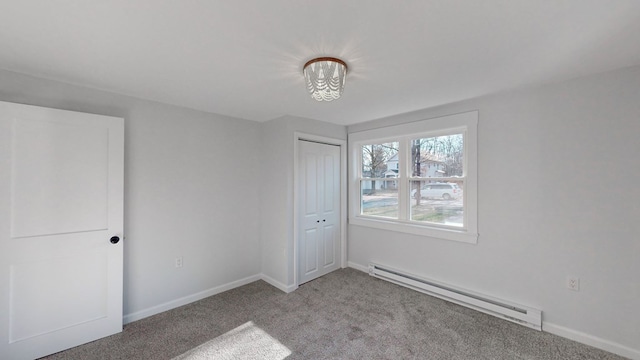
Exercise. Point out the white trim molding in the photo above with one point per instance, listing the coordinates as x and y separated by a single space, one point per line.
277 284
357 266
591 340
343 197
139 315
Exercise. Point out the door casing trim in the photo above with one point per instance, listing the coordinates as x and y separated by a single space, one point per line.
298 136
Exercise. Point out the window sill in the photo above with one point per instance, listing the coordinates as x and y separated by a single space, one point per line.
464 236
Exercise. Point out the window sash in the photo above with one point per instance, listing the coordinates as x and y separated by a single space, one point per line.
405 215
466 124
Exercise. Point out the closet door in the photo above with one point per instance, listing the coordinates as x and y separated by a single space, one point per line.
319 237
61 229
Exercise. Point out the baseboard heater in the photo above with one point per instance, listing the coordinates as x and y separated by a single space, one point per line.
518 314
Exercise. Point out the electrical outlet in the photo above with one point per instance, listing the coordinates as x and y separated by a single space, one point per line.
573 283
179 262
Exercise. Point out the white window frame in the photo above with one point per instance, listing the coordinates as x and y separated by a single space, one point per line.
466 123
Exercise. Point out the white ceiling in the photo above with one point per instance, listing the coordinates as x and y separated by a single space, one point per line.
244 58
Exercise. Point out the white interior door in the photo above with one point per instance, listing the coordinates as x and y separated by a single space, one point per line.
61 202
319 210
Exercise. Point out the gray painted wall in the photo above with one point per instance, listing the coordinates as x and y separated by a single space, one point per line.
190 190
558 195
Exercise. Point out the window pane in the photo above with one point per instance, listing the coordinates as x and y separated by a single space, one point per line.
440 156
437 202
380 160
379 198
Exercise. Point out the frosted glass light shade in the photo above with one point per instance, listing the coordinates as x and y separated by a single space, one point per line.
325 78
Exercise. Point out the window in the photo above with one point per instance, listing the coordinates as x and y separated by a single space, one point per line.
379 195
418 177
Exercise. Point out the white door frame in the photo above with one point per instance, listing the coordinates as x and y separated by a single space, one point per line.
343 197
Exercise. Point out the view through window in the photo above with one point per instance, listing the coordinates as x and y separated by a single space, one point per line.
379 185
436 180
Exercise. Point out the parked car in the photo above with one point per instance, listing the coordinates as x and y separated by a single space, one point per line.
438 191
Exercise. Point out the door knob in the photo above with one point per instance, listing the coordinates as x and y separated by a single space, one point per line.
114 239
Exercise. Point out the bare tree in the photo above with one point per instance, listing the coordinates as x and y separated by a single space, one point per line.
445 150
374 160
416 147
453 153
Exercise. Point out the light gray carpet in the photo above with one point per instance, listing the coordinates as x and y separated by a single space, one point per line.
344 315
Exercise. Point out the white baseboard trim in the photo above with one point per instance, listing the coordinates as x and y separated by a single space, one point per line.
591 340
275 283
358 267
138 315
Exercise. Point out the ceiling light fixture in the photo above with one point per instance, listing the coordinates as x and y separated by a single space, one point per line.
325 78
